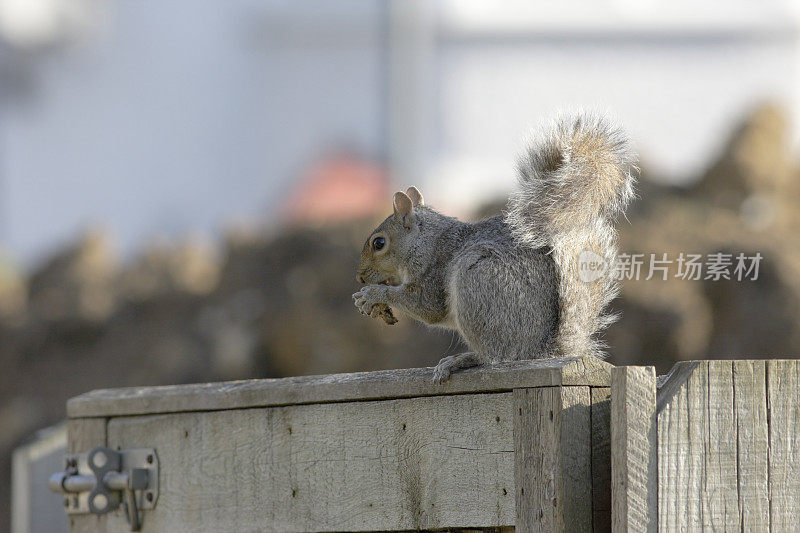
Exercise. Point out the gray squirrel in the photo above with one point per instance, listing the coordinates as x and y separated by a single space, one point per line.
511 285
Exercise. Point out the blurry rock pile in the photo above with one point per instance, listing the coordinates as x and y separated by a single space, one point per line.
264 305
747 202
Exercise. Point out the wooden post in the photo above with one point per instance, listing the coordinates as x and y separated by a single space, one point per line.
634 463
552 469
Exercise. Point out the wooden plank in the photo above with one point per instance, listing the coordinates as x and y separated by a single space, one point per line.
406 464
576 477
601 459
697 453
552 439
674 459
634 461
720 496
82 436
750 403
673 456
673 382
407 383
537 441
783 392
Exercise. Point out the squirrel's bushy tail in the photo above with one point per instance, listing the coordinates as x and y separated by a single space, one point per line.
574 181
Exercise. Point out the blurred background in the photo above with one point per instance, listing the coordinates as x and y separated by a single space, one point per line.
185 185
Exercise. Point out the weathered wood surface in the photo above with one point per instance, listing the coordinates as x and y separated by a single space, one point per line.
729 446
634 480
83 435
408 383
783 403
552 439
697 456
749 386
429 462
601 459
716 446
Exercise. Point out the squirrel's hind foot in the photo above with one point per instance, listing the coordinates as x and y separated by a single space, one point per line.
452 363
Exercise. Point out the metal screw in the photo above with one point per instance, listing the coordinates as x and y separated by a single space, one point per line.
100 501
100 459
150 459
149 497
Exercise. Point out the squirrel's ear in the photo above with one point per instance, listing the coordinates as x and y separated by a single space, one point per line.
403 208
416 196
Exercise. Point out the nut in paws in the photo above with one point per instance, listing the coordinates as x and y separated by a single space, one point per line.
371 301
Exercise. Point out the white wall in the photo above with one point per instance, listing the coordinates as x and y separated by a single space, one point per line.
180 115
679 76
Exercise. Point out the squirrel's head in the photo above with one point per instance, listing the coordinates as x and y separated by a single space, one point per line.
384 254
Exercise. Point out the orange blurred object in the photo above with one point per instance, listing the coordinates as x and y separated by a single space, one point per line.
337 189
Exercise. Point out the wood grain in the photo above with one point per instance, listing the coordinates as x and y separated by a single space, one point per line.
697 453
749 386
386 384
720 496
427 463
717 446
783 390
601 459
729 450
552 439
634 461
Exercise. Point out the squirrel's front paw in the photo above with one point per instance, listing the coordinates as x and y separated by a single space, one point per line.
371 301
368 297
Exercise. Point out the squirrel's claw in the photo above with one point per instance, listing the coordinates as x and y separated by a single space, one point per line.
363 302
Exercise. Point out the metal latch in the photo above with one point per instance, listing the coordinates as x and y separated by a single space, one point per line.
101 480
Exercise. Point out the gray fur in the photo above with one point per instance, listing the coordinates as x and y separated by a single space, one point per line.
574 181
509 285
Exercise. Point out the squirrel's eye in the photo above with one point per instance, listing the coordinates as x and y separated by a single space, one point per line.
378 243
